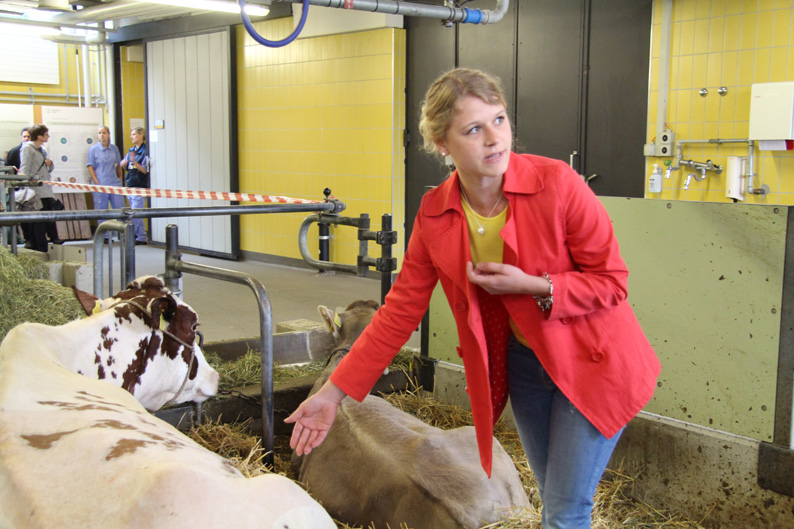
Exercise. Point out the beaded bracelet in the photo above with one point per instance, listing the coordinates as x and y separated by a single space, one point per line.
544 302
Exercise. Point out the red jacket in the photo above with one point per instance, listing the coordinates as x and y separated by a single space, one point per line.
590 342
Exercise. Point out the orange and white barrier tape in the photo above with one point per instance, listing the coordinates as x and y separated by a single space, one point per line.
168 193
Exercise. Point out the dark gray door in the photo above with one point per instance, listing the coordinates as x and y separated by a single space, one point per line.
617 96
575 74
549 80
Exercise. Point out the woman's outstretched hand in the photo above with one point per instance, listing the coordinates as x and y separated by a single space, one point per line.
314 417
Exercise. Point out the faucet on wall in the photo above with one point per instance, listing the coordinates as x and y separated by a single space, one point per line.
700 168
764 189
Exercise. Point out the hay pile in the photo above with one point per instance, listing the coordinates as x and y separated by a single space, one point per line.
245 370
614 507
26 294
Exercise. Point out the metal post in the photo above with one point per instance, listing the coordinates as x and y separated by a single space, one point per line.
325 234
128 254
175 267
325 238
386 256
12 206
173 279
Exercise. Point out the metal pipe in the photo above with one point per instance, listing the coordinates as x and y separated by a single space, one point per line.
303 245
664 67
392 7
386 257
86 75
7 219
66 71
127 254
52 24
763 190
77 72
176 266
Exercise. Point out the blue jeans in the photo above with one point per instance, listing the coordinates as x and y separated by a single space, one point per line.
138 203
101 201
565 451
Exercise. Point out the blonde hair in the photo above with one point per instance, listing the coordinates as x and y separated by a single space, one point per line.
440 104
140 130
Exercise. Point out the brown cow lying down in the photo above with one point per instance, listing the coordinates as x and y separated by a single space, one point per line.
381 465
76 452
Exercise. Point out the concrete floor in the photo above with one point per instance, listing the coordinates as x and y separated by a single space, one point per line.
229 311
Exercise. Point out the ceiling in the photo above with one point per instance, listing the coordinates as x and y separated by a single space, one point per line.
79 12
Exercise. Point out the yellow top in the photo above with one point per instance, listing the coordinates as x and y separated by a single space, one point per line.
488 245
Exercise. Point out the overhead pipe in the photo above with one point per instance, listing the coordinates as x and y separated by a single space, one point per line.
56 22
392 7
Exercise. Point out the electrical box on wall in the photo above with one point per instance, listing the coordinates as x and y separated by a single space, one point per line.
772 111
661 146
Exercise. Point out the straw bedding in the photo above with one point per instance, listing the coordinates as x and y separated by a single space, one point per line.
614 508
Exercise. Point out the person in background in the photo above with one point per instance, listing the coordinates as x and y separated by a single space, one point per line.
12 159
35 163
137 164
104 166
530 265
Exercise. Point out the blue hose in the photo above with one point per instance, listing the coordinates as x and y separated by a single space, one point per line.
273 43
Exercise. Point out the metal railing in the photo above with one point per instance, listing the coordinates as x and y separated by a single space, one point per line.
175 267
386 238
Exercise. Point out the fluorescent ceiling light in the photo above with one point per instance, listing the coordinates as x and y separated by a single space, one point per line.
27 30
254 10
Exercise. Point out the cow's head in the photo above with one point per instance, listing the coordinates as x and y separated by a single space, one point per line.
346 326
162 360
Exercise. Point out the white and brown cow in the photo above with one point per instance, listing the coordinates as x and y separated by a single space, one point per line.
143 339
381 465
80 453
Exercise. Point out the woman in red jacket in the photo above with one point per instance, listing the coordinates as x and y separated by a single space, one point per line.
530 266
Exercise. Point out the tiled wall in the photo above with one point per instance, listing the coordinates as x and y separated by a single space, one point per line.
716 43
133 97
321 112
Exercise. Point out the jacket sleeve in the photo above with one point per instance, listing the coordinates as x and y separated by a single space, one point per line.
26 155
599 278
393 323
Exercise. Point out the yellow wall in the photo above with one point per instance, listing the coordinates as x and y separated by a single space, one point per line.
324 111
714 43
133 97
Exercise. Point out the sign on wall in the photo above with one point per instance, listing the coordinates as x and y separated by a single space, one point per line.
72 132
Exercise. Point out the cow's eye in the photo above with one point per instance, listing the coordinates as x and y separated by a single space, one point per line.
195 327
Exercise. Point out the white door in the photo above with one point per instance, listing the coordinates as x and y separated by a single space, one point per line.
188 114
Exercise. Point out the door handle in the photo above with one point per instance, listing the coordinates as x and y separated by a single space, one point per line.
570 159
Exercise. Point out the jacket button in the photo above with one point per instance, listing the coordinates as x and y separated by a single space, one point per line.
597 356
460 306
566 320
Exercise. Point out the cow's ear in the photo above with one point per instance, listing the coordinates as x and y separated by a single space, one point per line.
162 309
87 301
331 320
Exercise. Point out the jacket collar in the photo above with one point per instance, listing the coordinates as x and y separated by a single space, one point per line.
521 177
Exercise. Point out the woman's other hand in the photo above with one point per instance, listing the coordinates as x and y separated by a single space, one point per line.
500 278
314 417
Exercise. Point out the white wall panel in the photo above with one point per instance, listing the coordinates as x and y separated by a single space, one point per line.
189 98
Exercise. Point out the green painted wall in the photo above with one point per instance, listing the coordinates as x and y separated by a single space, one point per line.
706 284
